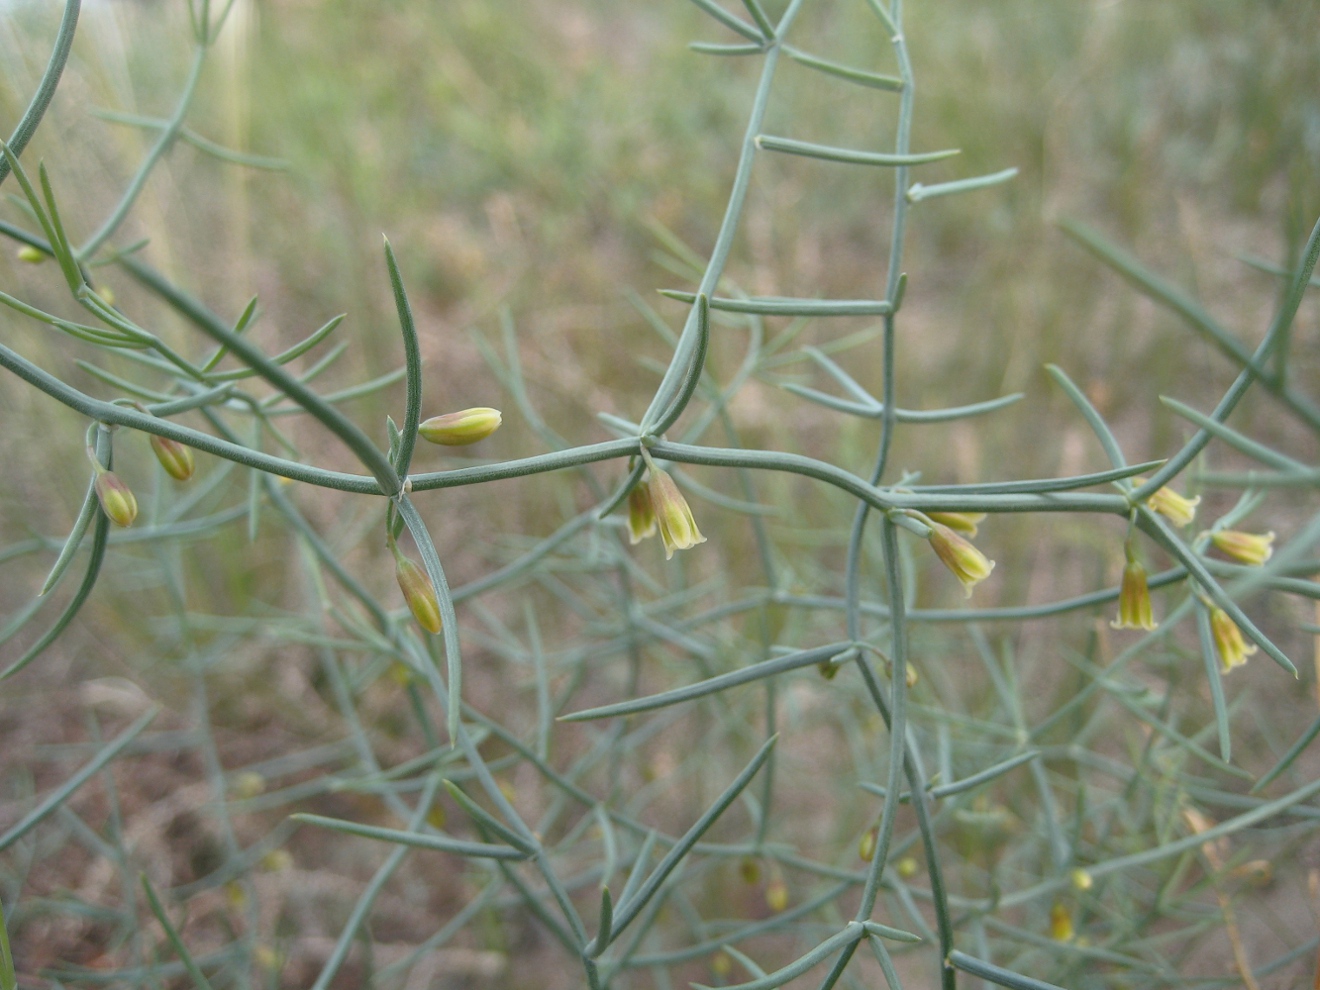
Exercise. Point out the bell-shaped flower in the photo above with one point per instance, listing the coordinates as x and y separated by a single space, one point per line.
968 564
1245 548
1134 611
641 516
1178 509
1233 648
678 529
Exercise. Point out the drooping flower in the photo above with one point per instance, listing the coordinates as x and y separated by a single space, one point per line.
1233 648
1245 548
1134 611
1178 509
418 592
641 516
678 529
968 564
176 458
457 429
962 522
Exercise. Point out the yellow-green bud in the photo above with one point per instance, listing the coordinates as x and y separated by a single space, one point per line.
968 564
678 529
457 429
176 458
749 868
866 847
963 522
1061 923
418 592
776 895
116 498
1178 509
31 255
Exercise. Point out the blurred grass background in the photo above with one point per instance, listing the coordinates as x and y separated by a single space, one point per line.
522 156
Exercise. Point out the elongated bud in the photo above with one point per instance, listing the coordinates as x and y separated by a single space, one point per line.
1061 923
1233 649
31 255
457 429
866 847
968 564
776 895
418 592
962 522
1245 548
176 458
641 517
116 498
1134 611
678 529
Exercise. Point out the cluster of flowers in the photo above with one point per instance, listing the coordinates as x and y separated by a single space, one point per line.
1134 607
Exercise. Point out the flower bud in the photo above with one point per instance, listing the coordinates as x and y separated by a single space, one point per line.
1134 611
1178 509
968 564
117 500
458 429
1245 548
1061 923
1081 879
749 868
776 895
1233 649
31 255
907 867
107 295
962 522
866 847
176 458
641 517
678 529
418 592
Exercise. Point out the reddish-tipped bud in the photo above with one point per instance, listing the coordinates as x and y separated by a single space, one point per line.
176 458
968 564
457 429
418 592
116 498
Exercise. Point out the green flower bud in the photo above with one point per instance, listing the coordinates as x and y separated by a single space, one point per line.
176 458
116 498
418 592
457 429
31 255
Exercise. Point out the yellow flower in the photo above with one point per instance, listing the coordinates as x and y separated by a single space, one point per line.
963 522
418 592
1246 548
457 429
1178 509
678 529
1233 649
968 564
1134 610
641 516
